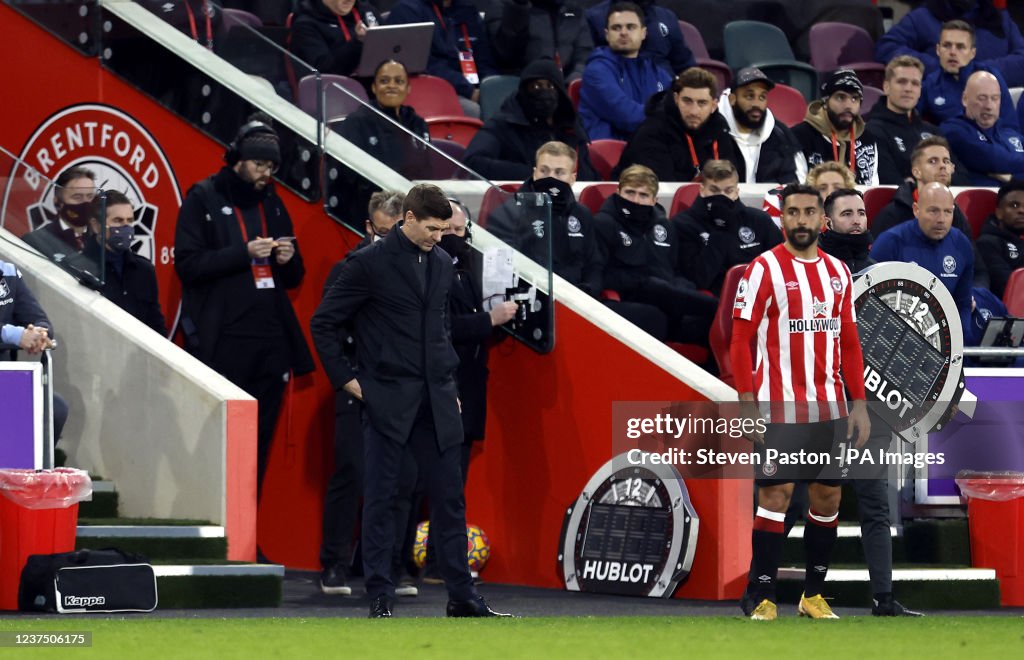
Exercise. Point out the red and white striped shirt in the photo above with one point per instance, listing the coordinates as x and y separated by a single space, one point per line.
799 308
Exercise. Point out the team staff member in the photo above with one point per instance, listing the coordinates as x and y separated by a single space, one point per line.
329 34
797 301
236 256
395 295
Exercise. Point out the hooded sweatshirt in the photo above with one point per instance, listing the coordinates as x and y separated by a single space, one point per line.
614 91
819 142
505 147
768 153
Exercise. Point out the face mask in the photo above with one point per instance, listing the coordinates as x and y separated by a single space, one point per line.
633 213
559 191
721 209
119 239
76 215
540 104
454 245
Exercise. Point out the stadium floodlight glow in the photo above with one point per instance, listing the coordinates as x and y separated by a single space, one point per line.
913 344
632 531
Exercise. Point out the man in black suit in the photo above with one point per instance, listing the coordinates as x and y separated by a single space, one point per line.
395 295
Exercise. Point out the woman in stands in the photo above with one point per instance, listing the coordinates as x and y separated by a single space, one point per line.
389 131
328 34
999 42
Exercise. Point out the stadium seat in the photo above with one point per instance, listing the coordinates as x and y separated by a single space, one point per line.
441 167
787 104
753 43
233 17
604 156
493 92
493 198
341 94
684 197
457 128
977 204
593 196
431 96
1013 295
721 327
844 46
875 199
574 93
695 42
871 96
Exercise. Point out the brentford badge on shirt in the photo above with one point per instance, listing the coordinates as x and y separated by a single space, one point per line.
746 235
573 224
949 263
1011 251
538 228
626 240
660 233
837 285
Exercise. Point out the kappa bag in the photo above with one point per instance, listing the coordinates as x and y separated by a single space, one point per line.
107 580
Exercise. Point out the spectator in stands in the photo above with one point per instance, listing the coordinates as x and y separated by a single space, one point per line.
992 152
847 237
999 41
834 130
641 251
664 38
943 86
682 131
896 125
826 178
461 50
25 326
539 112
932 242
766 146
522 31
718 231
328 34
619 78
574 254
382 131
1001 243
130 280
236 255
200 19
65 234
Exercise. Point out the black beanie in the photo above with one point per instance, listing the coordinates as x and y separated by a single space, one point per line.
260 145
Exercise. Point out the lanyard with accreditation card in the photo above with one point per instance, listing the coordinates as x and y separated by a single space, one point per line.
466 61
262 275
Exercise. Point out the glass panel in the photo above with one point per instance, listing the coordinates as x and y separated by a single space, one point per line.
75 23
61 222
209 106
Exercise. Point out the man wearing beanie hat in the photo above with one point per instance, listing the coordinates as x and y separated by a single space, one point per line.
236 256
540 112
834 130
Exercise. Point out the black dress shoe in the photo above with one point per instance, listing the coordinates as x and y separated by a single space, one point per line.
474 607
380 607
889 606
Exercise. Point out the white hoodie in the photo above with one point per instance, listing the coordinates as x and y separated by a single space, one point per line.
749 143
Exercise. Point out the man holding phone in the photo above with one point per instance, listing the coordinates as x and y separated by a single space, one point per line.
236 257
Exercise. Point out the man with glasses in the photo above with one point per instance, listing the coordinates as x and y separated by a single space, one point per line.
236 255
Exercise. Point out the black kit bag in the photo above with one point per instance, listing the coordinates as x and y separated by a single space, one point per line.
107 580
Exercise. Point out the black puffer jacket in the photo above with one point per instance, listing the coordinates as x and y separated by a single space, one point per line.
328 41
660 142
635 252
506 146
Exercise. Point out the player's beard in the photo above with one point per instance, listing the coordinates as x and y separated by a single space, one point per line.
803 242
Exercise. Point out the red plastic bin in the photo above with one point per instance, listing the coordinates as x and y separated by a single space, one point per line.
38 516
995 515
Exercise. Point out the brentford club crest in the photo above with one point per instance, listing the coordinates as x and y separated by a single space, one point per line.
949 263
660 233
746 235
122 154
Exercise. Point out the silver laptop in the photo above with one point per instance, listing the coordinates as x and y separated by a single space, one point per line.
408 43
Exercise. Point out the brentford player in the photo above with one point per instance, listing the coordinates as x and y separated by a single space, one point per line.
798 302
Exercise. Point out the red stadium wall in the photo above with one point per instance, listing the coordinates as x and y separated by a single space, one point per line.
549 424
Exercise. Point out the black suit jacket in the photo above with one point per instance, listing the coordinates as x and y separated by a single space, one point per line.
403 339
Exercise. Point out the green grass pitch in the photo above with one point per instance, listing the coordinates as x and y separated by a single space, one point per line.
556 637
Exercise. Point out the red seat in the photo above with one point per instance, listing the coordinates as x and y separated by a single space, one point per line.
574 93
1013 296
876 199
787 104
341 96
721 327
457 128
433 97
604 156
493 198
977 204
593 196
684 198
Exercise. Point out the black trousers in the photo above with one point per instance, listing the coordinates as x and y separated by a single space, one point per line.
341 500
442 473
